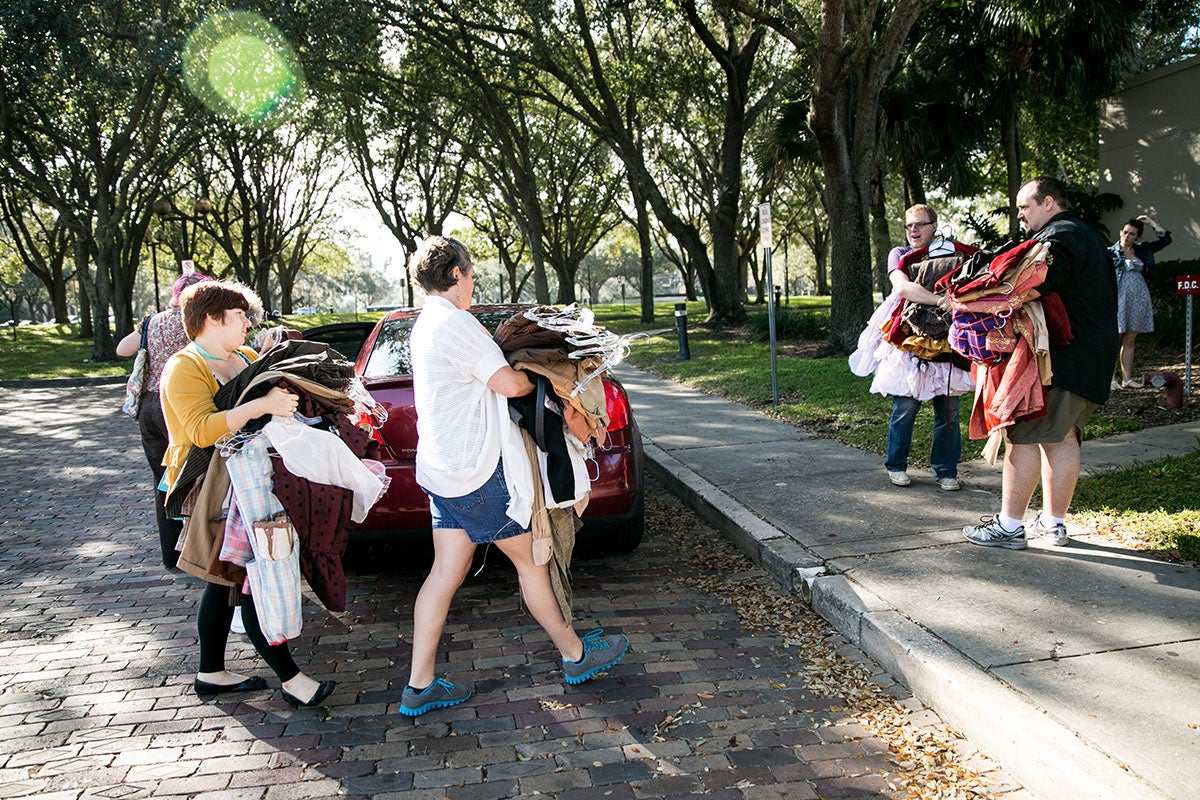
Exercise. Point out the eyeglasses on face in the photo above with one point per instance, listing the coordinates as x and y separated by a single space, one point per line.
915 226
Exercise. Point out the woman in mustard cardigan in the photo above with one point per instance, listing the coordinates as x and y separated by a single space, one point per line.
216 321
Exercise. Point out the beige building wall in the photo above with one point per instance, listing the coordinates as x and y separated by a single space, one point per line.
1150 153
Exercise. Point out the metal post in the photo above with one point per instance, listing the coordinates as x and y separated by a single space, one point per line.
771 330
681 327
154 263
1187 362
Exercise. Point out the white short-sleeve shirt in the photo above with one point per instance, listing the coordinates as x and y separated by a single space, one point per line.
459 423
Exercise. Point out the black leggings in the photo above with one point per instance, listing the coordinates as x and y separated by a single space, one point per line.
212 620
154 445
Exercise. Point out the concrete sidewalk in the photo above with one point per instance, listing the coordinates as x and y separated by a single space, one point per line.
1078 668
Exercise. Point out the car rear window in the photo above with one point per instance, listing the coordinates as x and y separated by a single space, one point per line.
390 354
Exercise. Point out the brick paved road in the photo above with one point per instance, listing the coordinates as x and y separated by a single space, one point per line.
97 654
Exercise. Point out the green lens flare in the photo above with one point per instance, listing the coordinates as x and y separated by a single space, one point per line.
241 68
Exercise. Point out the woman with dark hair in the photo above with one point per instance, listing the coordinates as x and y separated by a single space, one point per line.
164 337
1134 262
216 317
467 465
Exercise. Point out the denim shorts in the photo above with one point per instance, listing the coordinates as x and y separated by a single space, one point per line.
481 513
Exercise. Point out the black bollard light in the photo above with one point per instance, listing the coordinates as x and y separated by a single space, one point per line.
681 327
778 295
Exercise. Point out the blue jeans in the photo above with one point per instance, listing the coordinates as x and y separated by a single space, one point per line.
947 442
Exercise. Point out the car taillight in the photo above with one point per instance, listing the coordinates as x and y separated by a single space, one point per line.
617 405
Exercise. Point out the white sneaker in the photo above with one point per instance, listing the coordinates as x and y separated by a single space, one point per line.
899 477
236 626
949 484
1055 535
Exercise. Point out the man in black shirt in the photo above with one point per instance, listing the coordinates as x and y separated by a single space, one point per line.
1047 448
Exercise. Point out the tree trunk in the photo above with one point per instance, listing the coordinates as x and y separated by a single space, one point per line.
849 262
750 268
285 296
1010 142
646 251
58 301
881 241
914 184
537 254
849 70
566 285
262 284
103 347
82 281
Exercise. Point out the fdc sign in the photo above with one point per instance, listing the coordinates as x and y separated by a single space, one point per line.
1187 284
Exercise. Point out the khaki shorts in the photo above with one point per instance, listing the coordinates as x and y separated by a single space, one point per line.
1064 411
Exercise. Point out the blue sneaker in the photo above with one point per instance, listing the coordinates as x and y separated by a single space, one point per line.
600 652
439 694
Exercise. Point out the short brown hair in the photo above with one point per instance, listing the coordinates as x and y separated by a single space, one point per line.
1044 186
921 208
432 263
207 300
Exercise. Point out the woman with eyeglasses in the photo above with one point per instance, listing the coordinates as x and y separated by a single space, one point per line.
216 317
1134 263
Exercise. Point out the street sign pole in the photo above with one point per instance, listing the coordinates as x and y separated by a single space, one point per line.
764 234
1187 359
1188 285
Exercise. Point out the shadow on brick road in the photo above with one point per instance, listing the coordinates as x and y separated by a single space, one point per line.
97 654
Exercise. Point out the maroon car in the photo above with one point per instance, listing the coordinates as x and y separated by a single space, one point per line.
615 515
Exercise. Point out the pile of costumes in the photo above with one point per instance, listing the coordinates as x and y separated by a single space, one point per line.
272 502
557 426
906 345
1005 328
998 327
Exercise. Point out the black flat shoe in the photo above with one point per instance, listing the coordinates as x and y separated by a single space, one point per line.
323 690
248 685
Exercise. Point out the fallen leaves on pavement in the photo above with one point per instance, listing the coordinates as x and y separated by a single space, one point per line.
927 763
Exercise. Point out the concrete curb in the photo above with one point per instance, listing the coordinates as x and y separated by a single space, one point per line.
60 382
1047 757
761 542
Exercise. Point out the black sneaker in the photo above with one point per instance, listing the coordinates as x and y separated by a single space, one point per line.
439 694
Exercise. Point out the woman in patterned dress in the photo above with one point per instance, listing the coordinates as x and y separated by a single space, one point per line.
164 337
1134 263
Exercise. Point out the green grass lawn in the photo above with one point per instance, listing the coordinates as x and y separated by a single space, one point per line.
56 351
1153 506
52 351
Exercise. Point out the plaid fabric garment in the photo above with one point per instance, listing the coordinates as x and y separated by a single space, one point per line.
250 476
275 588
260 520
235 548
